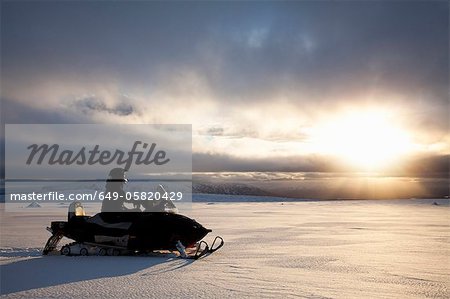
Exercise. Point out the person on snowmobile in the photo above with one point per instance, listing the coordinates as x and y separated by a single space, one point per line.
114 194
161 205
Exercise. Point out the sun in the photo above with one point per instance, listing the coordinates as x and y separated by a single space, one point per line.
369 140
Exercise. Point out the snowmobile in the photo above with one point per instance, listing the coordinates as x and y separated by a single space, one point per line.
123 233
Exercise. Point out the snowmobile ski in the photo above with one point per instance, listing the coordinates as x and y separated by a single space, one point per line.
203 248
52 241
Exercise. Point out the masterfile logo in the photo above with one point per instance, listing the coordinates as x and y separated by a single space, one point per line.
74 152
52 154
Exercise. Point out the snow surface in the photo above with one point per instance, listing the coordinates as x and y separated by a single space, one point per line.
311 249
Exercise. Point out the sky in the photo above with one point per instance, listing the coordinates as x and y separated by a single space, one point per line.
267 86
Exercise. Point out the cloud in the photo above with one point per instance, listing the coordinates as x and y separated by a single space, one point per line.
250 77
247 51
16 112
92 104
226 163
214 131
420 166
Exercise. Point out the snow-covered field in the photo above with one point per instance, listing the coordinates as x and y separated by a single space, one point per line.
315 249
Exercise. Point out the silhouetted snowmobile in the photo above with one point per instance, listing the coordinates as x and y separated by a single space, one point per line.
120 233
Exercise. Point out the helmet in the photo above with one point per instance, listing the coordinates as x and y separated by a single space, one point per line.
117 174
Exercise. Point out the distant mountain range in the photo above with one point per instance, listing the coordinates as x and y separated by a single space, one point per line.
228 189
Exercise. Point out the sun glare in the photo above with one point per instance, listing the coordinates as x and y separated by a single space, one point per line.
369 140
